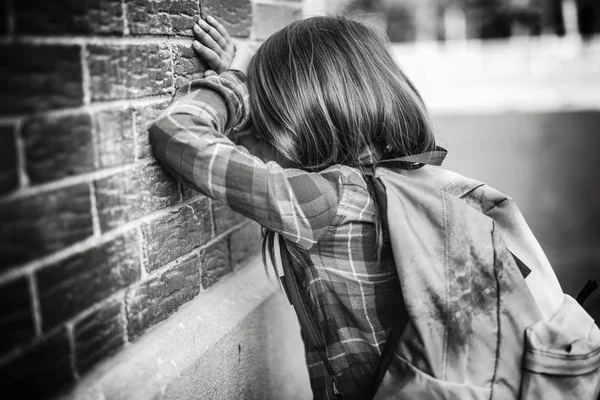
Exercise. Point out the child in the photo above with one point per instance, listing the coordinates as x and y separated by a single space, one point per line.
328 97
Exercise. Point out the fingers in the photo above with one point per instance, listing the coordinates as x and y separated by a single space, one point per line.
205 38
215 34
210 56
219 28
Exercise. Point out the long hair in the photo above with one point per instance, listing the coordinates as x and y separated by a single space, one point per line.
323 90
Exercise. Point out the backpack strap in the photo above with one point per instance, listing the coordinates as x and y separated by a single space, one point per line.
308 325
585 292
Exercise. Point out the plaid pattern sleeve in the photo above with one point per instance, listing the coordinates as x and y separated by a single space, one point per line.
190 139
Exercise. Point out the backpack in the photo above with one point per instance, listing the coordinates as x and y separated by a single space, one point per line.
470 326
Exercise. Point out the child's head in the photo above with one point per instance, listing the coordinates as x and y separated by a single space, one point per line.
324 89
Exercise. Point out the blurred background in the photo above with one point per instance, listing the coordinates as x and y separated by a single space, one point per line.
514 90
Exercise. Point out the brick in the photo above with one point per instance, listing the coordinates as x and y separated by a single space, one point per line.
16 319
114 137
42 77
132 194
40 372
177 233
68 287
9 174
44 223
272 17
162 17
154 300
129 71
235 15
57 147
98 335
69 16
244 243
143 117
186 64
214 263
225 218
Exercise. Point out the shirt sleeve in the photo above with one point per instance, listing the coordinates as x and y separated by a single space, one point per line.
190 140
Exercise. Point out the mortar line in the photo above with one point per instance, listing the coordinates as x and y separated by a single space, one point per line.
94 211
200 9
71 339
24 180
142 250
72 180
172 56
211 215
134 115
12 119
126 30
86 80
95 106
86 244
124 317
35 305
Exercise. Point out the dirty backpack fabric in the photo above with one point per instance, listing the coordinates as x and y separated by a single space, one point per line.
484 316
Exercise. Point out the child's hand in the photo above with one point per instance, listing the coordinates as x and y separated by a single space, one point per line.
214 44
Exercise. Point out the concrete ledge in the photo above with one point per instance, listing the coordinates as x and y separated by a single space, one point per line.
238 339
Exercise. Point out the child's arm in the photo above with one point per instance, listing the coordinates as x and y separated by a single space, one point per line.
190 140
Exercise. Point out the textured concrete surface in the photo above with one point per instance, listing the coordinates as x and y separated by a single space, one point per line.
239 339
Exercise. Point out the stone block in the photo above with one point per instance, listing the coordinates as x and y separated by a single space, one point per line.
9 174
129 71
177 233
68 287
69 17
98 335
155 299
162 17
16 318
40 372
44 223
58 147
42 77
132 194
214 263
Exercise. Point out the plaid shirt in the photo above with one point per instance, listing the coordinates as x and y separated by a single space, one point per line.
330 214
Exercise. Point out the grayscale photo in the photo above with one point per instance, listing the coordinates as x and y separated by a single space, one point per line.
300 199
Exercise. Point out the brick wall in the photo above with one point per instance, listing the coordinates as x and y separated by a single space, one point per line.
97 243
